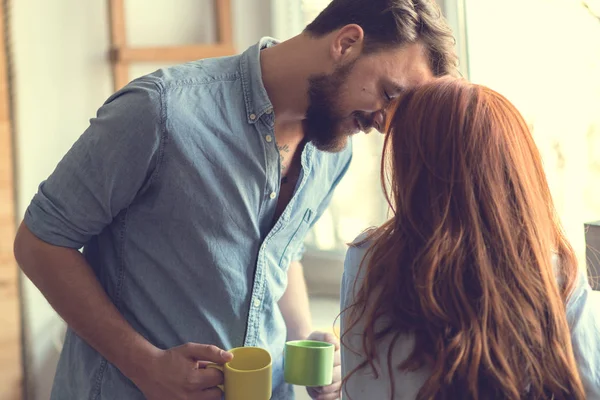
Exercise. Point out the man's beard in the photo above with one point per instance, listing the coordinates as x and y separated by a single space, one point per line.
323 125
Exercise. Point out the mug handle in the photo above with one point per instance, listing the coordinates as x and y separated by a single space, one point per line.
220 368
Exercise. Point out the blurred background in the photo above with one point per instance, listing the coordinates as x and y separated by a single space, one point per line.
55 71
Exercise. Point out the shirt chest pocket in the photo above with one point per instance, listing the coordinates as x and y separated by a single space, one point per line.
295 237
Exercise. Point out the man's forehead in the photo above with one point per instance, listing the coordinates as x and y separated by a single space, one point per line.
401 80
405 67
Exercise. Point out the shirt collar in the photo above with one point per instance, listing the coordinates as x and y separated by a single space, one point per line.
255 95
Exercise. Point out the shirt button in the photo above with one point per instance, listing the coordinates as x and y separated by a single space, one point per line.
273 195
256 303
270 111
252 117
269 138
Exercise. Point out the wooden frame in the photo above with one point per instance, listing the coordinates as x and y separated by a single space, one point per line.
11 370
121 55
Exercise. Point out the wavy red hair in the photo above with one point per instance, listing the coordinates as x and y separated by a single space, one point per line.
466 261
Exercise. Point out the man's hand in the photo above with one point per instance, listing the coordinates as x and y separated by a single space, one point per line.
331 392
70 285
179 373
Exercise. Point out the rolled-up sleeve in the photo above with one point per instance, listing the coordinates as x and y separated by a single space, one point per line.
116 157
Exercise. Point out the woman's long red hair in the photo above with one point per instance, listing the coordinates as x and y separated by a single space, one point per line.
466 261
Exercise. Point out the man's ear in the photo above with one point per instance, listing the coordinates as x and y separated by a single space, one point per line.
347 43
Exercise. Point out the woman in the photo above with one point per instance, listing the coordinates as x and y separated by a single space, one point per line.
470 290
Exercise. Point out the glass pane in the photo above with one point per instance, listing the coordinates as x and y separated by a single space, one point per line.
548 65
358 202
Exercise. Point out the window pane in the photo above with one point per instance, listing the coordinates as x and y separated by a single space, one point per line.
358 202
548 65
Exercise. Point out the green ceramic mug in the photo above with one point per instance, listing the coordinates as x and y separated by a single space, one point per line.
308 363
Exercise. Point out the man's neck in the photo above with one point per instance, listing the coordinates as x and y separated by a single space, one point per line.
286 69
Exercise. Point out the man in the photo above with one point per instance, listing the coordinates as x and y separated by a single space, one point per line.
191 193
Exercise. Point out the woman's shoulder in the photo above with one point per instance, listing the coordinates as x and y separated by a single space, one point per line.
357 251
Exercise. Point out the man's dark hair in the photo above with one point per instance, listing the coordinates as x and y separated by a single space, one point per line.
394 23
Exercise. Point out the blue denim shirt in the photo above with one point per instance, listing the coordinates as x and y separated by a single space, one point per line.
171 192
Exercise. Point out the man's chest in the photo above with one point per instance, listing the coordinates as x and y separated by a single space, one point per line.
237 188
290 164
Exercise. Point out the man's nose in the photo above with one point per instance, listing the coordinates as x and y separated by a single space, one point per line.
379 120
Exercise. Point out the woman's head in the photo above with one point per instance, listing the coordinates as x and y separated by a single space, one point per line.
465 262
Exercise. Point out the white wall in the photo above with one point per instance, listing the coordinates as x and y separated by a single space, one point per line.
61 77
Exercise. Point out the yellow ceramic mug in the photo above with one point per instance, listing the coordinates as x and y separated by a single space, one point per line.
248 376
